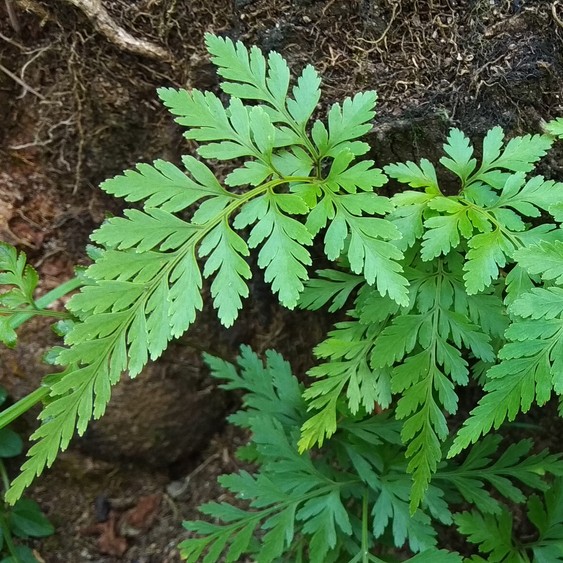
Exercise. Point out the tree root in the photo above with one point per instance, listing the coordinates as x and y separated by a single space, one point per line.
14 22
102 22
556 18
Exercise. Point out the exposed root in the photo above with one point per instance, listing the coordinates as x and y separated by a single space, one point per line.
12 16
557 19
103 23
26 87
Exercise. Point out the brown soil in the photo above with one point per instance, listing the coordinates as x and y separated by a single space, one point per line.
78 105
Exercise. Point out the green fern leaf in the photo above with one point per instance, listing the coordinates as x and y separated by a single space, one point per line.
460 151
515 464
397 339
270 388
144 231
240 130
529 370
21 279
392 507
528 198
248 75
424 353
492 146
488 252
521 153
283 255
547 517
492 533
331 285
347 373
408 216
225 251
416 176
545 259
555 127
306 96
425 426
287 490
443 232
165 186
346 121
15 271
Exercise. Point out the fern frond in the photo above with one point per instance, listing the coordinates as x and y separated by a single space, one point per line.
495 537
22 279
330 285
348 373
515 464
530 368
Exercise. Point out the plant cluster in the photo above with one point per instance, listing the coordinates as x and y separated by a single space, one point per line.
456 278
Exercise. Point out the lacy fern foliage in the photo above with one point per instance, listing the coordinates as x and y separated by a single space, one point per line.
465 261
455 279
15 272
351 499
144 287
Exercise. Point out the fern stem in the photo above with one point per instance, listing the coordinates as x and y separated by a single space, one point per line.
59 291
36 313
44 301
365 539
4 476
5 527
23 405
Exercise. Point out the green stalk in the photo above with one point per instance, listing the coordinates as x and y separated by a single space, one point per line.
36 313
4 476
23 405
364 556
4 525
45 300
365 544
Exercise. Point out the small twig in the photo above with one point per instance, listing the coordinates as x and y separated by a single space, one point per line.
12 16
103 22
21 82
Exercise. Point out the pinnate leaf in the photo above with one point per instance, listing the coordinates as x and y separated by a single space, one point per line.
226 250
164 185
545 259
555 127
460 152
421 175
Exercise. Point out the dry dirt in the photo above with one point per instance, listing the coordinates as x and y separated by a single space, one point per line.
78 104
